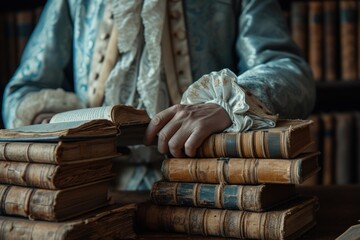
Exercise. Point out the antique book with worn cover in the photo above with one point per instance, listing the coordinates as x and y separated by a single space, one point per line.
328 148
241 170
118 114
316 38
331 41
53 205
348 43
62 152
286 221
82 124
51 176
64 131
241 197
344 148
299 25
288 139
112 222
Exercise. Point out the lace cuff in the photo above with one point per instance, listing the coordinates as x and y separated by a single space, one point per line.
245 111
45 101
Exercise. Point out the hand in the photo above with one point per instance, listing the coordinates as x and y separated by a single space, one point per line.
42 118
181 129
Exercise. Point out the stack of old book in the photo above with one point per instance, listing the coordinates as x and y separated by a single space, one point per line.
242 185
54 178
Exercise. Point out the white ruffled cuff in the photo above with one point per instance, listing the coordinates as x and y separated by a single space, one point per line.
245 111
45 101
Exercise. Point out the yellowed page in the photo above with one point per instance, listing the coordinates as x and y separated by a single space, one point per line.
83 114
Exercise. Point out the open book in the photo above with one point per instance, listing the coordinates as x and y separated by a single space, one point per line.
80 124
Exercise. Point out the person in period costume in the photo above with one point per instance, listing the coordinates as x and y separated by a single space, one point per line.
196 66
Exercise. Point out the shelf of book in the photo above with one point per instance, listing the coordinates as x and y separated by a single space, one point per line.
326 33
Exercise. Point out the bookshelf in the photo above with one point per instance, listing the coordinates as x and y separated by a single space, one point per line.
328 34
17 20
336 93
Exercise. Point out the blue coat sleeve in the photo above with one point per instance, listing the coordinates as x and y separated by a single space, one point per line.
271 65
44 61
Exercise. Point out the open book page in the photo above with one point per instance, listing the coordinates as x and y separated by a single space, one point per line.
51 127
84 114
62 130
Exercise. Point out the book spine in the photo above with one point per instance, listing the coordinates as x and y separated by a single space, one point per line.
328 147
240 197
357 145
299 25
344 163
315 130
115 223
348 28
213 222
28 152
24 27
10 35
232 171
27 202
253 144
16 228
26 174
316 39
331 41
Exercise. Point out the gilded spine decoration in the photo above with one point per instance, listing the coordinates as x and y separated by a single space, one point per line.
27 152
241 197
239 170
215 222
261 144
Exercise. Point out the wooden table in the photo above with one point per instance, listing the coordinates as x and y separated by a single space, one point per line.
339 209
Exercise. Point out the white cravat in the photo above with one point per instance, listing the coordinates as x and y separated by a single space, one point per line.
138 70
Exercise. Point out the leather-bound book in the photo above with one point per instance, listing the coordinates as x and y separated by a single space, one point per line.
348 39
241 197
51 176
316 137
62 152
241 170
286 221
53 205
113 222
287 140
316 39
299 25
345 148
328 149
331 41
81 124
